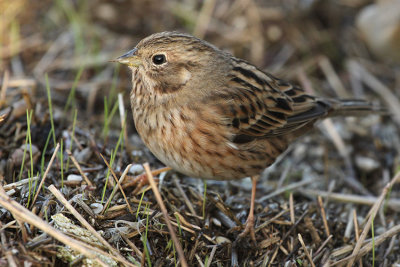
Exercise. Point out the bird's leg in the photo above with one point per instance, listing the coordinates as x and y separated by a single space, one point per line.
249 228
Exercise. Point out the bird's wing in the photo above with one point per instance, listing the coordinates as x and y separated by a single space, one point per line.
257 105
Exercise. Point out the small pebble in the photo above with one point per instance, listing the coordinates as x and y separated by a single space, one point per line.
18 154
216 222
96 207
367 164
84 155
379 24
137 153
74 177
136 169
221 240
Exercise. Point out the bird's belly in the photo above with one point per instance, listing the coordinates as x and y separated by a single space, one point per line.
187 152
208 156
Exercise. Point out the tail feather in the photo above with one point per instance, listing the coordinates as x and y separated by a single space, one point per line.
353 107
301 123
323 108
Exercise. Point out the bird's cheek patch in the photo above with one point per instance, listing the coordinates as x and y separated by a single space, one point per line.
184 75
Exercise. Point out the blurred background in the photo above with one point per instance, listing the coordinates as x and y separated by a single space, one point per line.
61 50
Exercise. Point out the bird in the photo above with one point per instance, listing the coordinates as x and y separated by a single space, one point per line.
210 115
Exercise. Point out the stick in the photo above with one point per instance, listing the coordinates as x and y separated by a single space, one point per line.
165 214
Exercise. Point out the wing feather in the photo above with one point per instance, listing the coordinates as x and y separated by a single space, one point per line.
261 105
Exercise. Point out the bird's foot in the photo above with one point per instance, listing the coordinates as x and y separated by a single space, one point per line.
249 229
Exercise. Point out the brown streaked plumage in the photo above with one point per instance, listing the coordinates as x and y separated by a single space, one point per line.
210 115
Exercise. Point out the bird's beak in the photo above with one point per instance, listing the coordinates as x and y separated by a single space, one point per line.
130 58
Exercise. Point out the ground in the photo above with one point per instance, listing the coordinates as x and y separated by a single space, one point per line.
67 136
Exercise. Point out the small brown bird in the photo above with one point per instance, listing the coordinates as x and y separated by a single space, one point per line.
210 115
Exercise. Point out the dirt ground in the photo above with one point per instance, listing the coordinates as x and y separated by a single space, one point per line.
71 160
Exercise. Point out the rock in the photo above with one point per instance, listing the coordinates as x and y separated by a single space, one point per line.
18 154
221 240
136 169
74 177
84 155
379 24
367 164
96 207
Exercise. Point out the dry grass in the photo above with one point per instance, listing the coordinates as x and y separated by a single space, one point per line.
76 195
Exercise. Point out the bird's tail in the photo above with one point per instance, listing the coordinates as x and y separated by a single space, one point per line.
353 107
323 108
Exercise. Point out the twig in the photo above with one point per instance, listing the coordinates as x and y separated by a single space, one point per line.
203 19
211 256
271 260
45 173
20 183
289 187
322 246
264 224
165 213
7 225
321 206
119 182
201 264
332 77
349 226
291 208
4 87
184 227
364 200
306 250
185 222
336 139
389 249
183 194
379 88
357 234
79 168
21 82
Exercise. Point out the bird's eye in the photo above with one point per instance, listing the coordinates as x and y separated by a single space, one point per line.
159 59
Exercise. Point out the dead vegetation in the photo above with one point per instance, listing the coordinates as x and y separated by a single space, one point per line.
71 162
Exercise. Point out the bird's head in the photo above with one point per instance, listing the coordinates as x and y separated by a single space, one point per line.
168 61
